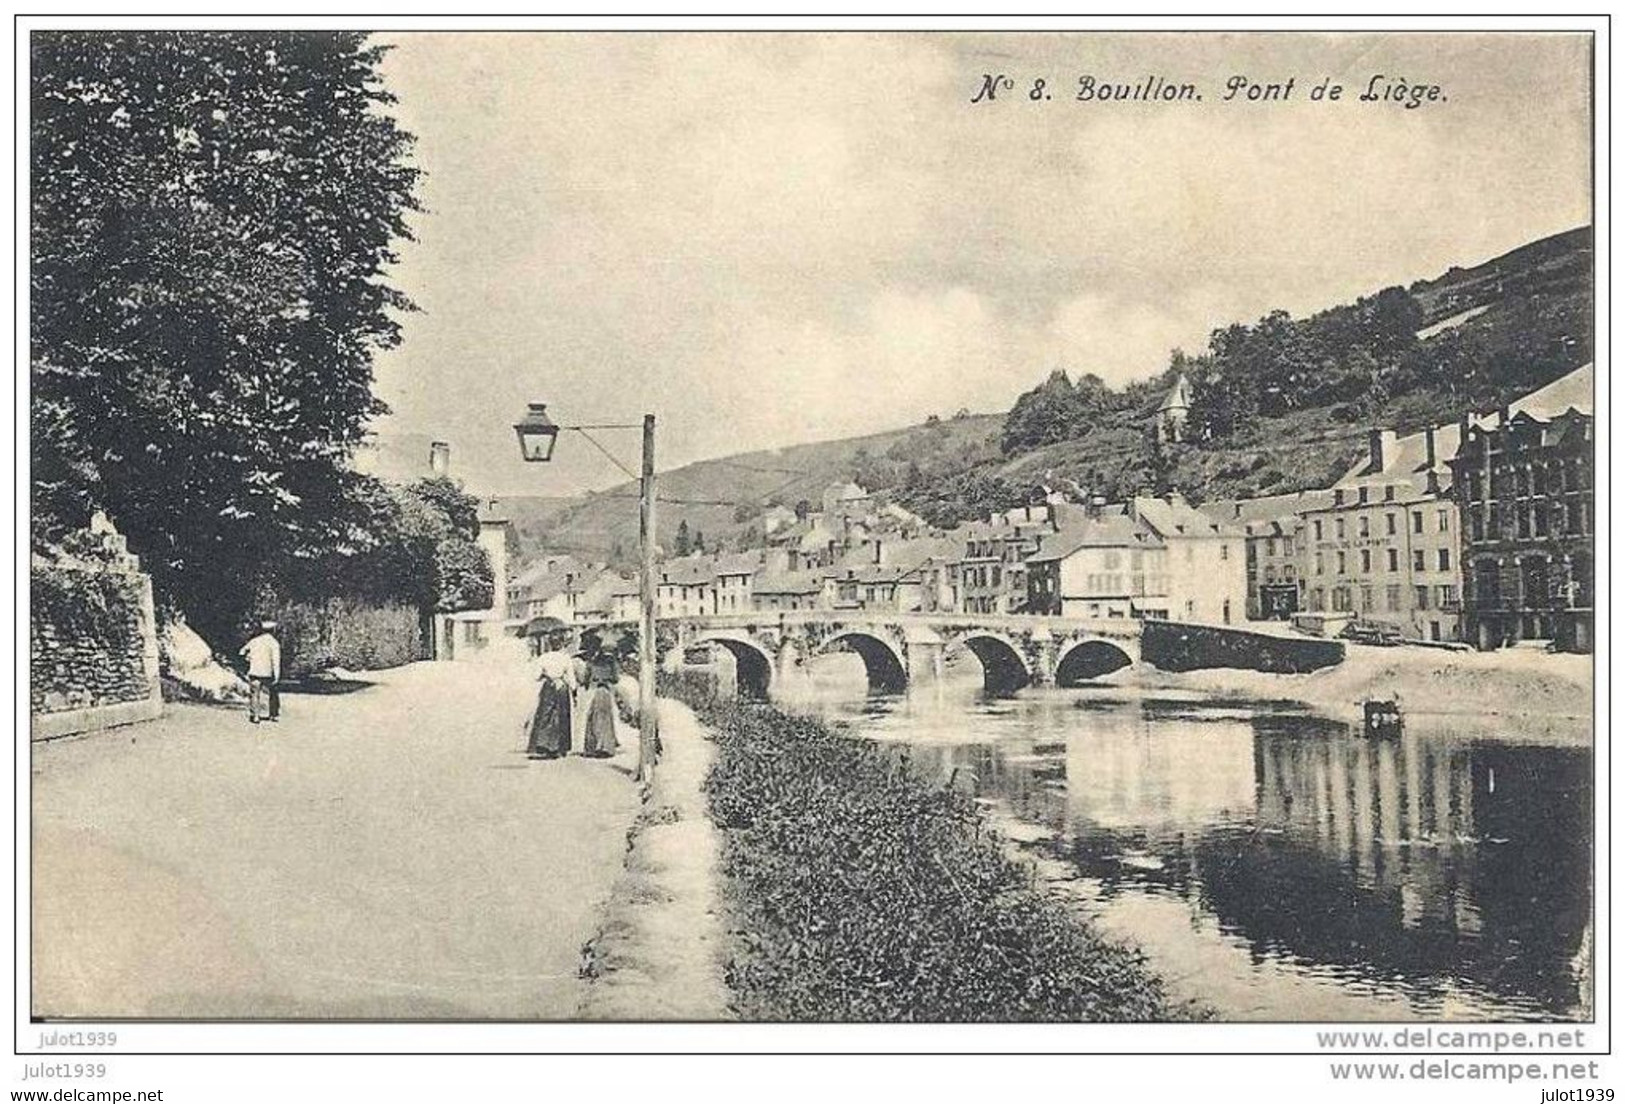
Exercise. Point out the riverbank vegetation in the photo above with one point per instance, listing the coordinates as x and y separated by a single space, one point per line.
860 892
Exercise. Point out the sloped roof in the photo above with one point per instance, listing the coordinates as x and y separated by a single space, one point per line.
1109 530
1267 508
1178 396
564 582
738 563
1178 518
604 586
1409 454
687 571
786 582
538 573
1573 390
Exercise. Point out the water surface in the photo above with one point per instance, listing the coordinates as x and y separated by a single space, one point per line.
1273 863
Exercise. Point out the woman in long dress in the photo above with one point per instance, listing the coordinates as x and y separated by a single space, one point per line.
598 736
550 726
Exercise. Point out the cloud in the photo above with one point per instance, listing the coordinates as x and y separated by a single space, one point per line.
768 238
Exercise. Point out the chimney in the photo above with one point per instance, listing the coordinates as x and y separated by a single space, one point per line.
1461 434
1506 416
1237 509
1096 504
439 458
1433 462
1374 449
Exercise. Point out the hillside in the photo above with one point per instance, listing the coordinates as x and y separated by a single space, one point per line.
1481 335
723 499
1281 405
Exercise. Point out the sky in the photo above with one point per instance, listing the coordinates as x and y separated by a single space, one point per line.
765 239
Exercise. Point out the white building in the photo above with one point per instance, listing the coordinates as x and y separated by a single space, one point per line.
1206 560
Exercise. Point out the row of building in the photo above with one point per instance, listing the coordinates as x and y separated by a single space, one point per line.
1146 557
1479 531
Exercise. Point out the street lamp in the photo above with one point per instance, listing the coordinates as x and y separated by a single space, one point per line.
538 434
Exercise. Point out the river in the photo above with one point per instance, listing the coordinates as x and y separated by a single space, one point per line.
1274 864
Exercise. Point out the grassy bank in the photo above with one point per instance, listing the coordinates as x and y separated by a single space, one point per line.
862 893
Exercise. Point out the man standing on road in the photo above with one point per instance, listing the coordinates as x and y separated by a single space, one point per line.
264 656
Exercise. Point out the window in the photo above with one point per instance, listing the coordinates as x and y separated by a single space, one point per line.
1112 559
1393 522
1396 597
1447 597
1340 529
1318 534
1320 563
1224 551
1444 521
1419 560
1393 559
1444 559
1388 496
1269 547
1421 597
1365 560
1366 601
1477 519
1416 521
1337 498
1363 491
1365 526
1342 564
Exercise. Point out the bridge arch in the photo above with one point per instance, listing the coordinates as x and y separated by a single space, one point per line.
887 671
753 666
1004 668
1090 659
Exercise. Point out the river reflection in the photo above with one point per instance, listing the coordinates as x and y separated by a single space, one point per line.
1275 864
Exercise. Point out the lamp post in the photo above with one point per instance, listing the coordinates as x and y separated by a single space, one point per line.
538 434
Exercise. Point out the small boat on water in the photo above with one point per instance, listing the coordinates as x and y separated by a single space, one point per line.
1383 718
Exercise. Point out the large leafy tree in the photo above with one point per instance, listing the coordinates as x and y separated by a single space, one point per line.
212 218
415 543
1055 410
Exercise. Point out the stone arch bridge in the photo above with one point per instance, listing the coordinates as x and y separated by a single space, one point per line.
902 648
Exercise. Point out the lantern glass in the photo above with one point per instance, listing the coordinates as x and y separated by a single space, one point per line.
537 434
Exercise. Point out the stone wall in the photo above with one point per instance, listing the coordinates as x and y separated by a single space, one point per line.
93 648
1177 646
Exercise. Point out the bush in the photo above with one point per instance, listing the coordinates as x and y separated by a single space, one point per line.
866 894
